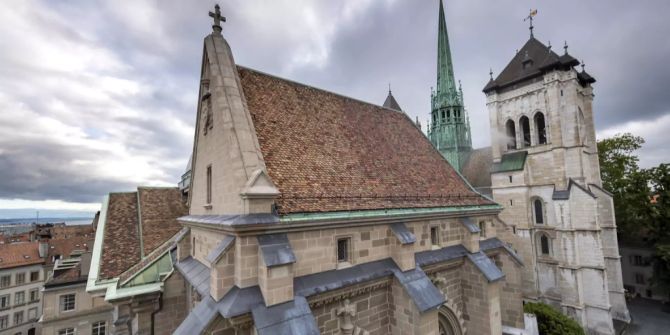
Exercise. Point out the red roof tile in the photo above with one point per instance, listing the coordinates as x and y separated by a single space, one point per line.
160 208
121 244
19 254
326 152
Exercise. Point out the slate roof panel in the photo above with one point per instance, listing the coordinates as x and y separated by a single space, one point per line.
220 248
334 279
420 289
232 220
486 266
293 317
470 225
276 249
196 273
240 301
494 243
326 152
403 234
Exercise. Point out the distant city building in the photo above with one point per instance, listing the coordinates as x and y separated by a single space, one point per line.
637 268
67 307
21 279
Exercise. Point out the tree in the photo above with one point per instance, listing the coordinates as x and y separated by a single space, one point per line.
622 176
551 322
658 227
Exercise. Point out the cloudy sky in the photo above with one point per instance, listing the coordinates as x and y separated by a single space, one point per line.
100 96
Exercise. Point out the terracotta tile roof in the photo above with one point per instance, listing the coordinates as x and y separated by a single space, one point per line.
64 248
160 208
157 209
19 254
121 244
326 152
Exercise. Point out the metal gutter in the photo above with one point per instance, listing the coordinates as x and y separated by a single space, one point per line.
92 284
353 215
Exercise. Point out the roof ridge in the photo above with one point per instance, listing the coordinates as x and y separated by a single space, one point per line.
318 89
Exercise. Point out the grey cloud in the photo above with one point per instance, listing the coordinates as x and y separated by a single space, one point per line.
622 43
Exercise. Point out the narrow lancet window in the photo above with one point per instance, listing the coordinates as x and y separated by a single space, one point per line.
511 135
541 129
525 128
539 213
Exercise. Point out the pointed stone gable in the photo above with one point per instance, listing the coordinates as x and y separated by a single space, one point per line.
226 150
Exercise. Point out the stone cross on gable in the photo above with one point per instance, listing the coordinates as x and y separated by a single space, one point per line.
217 18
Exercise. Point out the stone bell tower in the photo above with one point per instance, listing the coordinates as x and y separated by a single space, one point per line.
545 172
449 128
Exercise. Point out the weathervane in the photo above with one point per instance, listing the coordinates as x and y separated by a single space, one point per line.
217 18
533 12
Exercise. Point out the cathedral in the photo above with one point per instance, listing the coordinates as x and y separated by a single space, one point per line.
542 167
308 212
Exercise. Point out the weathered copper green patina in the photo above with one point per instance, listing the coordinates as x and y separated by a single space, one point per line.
449 130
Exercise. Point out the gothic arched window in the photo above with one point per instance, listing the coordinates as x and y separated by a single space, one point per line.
525 130
544 245
511 135
541 128
538 212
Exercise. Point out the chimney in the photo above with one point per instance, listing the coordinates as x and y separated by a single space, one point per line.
43 249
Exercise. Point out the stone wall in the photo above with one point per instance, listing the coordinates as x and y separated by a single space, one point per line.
174 305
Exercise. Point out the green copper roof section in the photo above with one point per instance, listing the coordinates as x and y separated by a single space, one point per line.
511 162
153 273
446 93
399 212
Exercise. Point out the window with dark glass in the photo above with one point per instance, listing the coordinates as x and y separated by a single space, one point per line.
434 236
99 328
20 278
544 244
209 184
539 213
525 129
541 128
511 135
66 331
67 302
34 276
482 228
343 250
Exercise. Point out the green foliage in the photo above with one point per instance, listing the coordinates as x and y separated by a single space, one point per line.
552 322
641 200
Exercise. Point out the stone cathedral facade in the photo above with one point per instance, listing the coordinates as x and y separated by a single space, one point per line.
315 213
544 170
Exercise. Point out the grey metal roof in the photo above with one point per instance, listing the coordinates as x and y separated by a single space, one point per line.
402 233
220 248
494 243
391 103
240 301
470 225
429 257
293 317
419 287
565 194
334 279
181 234
199 317
231 220
486 266
276 249
196 273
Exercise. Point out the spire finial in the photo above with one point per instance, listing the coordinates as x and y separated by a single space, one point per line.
389 88
532 13
565 47
460 87
549 46
218 18
491 73
583 65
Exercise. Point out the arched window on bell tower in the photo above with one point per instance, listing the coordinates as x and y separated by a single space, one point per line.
525 130
545 247
538 211
511 135
541 128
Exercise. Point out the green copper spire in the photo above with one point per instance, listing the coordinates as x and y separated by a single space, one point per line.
445 68
449 130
